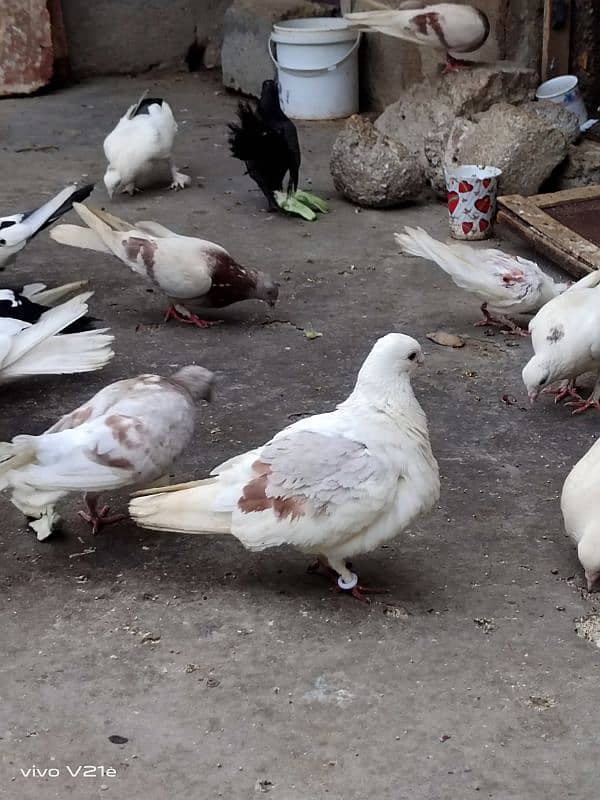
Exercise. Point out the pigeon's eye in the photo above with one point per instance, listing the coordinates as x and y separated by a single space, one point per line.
543 381
412 356
2 241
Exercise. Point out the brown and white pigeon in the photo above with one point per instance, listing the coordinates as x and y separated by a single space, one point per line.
449 27
128 434
334 485
188 270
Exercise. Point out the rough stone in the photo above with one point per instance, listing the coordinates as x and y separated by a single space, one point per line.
426 107
557 116
372 170
26 58
580 168
247 26
524 146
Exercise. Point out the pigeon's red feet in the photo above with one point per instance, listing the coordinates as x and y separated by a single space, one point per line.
357 589
98 517
500 321
188 318
455 65
581 406
564 390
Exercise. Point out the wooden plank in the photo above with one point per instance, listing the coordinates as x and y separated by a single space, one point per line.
566 196
556 36
541 244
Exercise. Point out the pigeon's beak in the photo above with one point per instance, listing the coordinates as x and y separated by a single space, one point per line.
420 359
591 580
532 394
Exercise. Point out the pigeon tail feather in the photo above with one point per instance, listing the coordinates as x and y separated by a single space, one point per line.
186 508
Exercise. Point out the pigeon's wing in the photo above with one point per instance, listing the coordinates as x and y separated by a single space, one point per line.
308 489
94 408
155 229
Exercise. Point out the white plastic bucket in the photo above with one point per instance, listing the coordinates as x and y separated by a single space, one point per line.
565 91
317 67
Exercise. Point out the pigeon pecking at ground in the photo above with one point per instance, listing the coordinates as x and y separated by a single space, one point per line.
141 142
18 229
580 505
38 349
128 434
267 141
565 335
28 303
186 269
449 27
334 485
506 284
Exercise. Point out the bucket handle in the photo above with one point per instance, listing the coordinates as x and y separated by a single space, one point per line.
328 68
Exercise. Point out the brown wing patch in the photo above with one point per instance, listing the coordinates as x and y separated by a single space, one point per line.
106 460
123 427
135 245
431 20
254 496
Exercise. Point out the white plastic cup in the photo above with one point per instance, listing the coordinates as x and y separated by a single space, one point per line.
564 90
472 192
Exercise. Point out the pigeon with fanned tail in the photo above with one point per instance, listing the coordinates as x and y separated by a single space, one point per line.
449 27
565 335
186 269
334 485
28 303
580 505
38 349
266 140
505 284
141 142
128 434
18 229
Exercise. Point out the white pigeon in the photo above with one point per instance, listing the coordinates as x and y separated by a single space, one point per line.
17 229
186 269
449 27
334 485
506 284
29 302
580 505
141 142
565 335
128 434
38 349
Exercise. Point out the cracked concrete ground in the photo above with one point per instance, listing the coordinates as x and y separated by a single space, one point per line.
233 674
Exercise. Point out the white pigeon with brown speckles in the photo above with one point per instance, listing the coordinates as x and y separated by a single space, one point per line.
128 434
187 269
334 485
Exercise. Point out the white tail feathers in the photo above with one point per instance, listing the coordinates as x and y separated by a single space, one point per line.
76 236
14 456
43 213
37 350
39 292
186 508
451 258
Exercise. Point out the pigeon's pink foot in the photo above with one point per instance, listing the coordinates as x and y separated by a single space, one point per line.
455 65
357 589
98 517
188 318
566 389
581 406
500 321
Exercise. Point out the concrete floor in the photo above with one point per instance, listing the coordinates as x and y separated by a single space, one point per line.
257 672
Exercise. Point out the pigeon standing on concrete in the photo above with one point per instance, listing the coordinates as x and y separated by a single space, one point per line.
450 27
506 284
142 140
267 141
17 230
186 269
580 505
128 434
38 349
565 335
334 485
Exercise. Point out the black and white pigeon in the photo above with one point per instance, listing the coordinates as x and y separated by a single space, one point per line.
267 141
16 230
28 303
128 434
188 270
450 27
141 141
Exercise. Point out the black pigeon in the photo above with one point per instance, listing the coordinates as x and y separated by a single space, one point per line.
16 305
267 141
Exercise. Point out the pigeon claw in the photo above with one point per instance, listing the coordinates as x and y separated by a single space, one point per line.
188 318
581 406
98 518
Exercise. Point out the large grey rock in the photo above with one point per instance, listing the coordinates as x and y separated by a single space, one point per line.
372 170
580 168
526 147
557 116
428 106
247 26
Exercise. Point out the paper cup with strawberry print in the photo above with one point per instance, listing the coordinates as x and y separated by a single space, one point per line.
472 191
